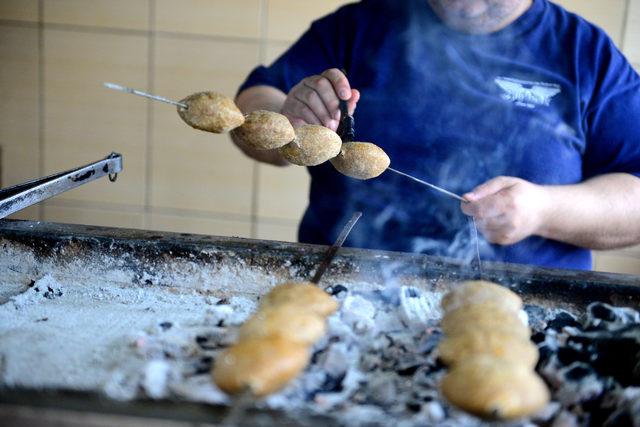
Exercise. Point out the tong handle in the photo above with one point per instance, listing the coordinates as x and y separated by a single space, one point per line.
18 197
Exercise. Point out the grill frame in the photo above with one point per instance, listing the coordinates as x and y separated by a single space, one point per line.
160 255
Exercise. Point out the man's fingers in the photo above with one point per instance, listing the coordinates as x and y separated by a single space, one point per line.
311 98
490 187
488 207
339 82
495 224
316 99
300 110
325 90
355 97
296 122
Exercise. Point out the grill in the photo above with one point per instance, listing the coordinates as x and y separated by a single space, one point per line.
160 305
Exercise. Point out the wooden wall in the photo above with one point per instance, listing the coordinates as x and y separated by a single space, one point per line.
55 114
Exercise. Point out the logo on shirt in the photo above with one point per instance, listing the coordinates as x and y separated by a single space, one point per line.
527 94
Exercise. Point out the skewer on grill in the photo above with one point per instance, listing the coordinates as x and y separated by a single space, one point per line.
274 345
489 353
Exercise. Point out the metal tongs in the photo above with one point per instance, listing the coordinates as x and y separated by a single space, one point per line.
18 197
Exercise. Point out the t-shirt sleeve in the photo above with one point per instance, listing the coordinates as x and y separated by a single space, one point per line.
322 46
612 120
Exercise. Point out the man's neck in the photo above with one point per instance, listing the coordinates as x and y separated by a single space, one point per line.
479 16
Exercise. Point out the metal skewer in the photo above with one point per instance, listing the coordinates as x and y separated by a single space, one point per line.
347 133
346 130
428 184
331 252
145 94
245 399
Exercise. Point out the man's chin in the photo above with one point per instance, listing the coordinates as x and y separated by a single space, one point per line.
466 9
472 25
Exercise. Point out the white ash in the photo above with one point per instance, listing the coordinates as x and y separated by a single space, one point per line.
362 370
134 341
74 340
156 378
376 362
47 287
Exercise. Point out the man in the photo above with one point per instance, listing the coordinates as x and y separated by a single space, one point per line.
528 106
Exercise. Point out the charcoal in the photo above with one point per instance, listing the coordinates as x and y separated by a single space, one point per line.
565 419
165 325
538 337
571 354
430 341
601 316
545 352
336 289
390 296
414 407
205 344
382 389
408 371
627 415
537 317
601 409
578 371
622 418
581 384
614 353
563 319
544 416
203 365
377 364
337 359
332 384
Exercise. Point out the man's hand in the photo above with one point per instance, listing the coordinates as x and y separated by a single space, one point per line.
507 210
316 99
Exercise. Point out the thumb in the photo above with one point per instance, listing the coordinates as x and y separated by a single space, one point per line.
488 188
351 103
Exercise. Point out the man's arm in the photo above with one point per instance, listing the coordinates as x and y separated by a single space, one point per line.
600 213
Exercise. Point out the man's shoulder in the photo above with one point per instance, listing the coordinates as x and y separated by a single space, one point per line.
570 24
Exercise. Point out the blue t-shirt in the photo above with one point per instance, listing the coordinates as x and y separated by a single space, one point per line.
548 99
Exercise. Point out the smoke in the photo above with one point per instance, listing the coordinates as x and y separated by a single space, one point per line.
475 134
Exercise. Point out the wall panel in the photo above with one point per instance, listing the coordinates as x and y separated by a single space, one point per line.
19 91
192 169
229 18
122 14
84 121
19 10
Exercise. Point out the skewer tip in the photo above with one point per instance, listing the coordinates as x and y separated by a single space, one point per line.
114 86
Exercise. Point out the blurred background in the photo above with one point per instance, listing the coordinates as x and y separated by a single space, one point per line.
55 114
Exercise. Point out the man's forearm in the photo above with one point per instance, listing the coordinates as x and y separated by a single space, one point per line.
601 213
261 98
